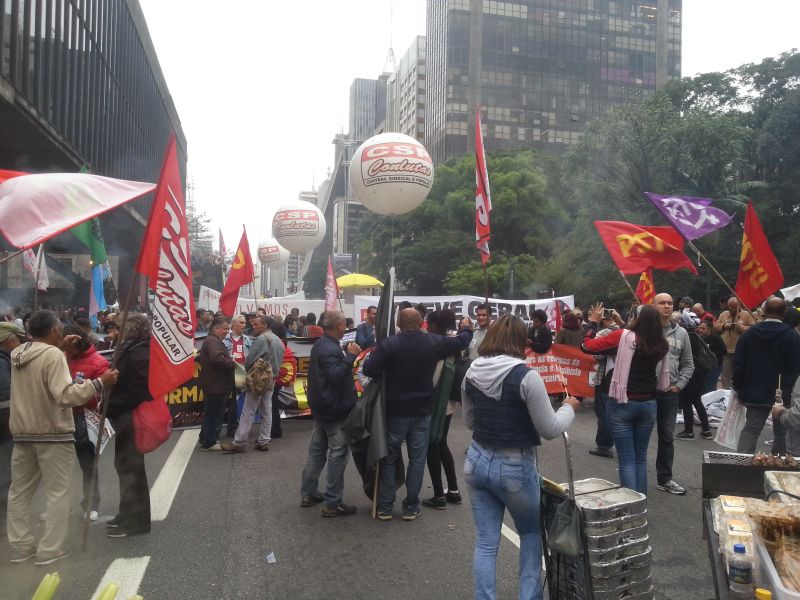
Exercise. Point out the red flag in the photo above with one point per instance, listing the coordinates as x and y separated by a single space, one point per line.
331 289
646 290
242 273
223 251
635 248
483 196
165 260
557 321
759 273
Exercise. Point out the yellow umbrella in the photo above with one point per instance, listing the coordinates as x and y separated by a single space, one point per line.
357 280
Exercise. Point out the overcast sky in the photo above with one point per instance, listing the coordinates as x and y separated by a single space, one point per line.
262 87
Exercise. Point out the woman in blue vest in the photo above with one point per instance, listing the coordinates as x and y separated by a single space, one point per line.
507 407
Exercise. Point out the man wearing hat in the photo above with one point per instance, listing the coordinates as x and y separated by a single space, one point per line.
10 337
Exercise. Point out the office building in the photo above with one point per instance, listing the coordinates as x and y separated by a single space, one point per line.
405 103
541 69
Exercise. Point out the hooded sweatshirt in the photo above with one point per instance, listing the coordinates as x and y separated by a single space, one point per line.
681 363
43 394
488 373
765 351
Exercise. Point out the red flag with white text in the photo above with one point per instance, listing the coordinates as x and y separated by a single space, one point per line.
760 274
242 273
331 288
483 195
165 260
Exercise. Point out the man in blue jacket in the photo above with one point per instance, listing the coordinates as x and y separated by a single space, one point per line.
767 352
331 395
365 332
408 361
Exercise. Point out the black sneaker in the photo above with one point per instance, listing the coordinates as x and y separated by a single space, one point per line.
604 452
684 435
343 510
114 523
437 502
49 559
126 531
383 516
409 514
708 435
453 497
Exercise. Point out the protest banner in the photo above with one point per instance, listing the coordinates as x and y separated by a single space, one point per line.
274 307
466 305
565 365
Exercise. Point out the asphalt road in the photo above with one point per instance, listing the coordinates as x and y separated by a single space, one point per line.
231 511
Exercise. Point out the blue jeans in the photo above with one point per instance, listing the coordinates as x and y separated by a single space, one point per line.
712 377
328 444
631 425
500 479
414 430
603 437
213 409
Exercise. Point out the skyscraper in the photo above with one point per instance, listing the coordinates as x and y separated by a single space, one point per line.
541 69
405 101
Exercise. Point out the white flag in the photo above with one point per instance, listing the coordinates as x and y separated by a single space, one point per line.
40 271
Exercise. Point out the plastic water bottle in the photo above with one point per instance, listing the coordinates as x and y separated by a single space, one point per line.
79 377
740 574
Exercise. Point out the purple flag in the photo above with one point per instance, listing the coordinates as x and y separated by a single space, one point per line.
691 217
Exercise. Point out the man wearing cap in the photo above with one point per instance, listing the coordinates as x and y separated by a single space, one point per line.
10 337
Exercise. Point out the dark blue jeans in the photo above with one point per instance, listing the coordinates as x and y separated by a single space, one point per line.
213 409
667 405
631 425
415 431
603 437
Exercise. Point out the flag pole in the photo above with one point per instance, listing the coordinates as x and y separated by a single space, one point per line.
375 491
38 275
104 415
628 283
10 256
485 284
721 278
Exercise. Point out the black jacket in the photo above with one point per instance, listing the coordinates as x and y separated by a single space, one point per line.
764 351
408 360
131 388
5 378
540 339
717 346
331 388
216 366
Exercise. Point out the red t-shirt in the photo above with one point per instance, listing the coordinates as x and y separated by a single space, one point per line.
237 349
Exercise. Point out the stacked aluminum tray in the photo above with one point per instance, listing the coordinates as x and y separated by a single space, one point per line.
617 541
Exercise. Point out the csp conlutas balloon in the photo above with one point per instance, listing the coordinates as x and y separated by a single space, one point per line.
391 174
298 226
272 254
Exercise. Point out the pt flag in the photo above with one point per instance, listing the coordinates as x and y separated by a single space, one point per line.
635 248
483 196
331 288
165 260
691 217
759 272
242 273
646 290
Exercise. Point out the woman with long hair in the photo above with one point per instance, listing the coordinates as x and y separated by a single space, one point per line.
133 363
507 407
639 370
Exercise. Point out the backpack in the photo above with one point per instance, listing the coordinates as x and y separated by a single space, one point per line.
704 358
260 377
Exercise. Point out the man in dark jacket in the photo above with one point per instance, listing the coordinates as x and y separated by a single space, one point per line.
10 338
767 352
540 338
331 395
216 381
408 361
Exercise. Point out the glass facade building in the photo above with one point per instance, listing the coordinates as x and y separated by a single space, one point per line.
541 69
405 108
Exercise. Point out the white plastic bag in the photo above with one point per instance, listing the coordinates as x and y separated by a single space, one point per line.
732 423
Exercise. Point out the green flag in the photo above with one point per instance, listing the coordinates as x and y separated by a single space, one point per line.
89 233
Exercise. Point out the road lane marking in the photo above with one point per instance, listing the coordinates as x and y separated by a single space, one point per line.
510 534
166 486
127 573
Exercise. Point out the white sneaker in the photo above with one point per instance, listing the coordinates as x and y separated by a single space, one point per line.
92 515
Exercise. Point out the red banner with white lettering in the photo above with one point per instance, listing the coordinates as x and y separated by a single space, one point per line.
565 365
760 274
635 248
165 260
483 196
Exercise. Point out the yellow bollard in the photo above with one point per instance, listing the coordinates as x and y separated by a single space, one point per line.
47 588
110 592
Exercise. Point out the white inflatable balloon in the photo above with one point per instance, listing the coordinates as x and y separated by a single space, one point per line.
299 226
391 174
272 254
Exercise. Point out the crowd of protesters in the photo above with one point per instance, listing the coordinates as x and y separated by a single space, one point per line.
657 360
